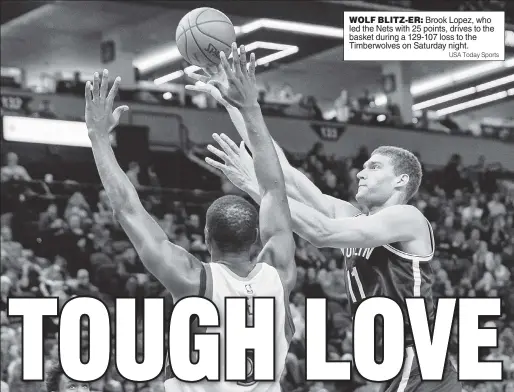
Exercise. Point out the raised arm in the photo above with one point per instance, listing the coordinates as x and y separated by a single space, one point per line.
298 186
274 215
176 269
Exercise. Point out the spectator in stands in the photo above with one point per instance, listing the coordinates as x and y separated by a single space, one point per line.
84 286
365 101
133 173
12 170
471 212
496 207
45 110
78 206
49 219
342 108
103 214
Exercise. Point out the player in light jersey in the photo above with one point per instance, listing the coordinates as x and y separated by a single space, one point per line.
232 226
387 246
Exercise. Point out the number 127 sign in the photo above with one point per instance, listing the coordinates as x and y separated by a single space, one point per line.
329 132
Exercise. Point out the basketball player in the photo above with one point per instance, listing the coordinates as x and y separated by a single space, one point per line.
387 247
231 226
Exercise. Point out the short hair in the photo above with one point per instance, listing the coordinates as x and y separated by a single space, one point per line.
404 162
232 222
53 377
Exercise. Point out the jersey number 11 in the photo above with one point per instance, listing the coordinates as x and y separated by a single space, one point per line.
354 273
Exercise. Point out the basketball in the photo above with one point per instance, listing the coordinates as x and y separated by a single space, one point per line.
202 34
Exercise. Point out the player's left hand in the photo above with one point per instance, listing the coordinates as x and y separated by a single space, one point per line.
206 84
237 163
100 118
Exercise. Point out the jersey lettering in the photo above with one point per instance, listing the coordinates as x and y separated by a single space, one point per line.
362 252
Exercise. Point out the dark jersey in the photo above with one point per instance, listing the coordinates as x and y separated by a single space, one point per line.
386 271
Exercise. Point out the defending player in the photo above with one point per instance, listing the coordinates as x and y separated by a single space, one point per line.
231 226
387 249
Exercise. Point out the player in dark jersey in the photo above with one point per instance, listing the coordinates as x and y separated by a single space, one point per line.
387 245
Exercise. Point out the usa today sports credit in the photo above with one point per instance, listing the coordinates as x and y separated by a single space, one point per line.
424 36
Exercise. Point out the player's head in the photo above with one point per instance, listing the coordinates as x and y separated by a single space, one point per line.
231 225
389 171
57 381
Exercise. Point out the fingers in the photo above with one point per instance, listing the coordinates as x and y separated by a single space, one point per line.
105 84
235 61
220 154
119 110
96 86
242 59
230 142
198 86
114 90
226 66
195 76
211 70
251 68
87 93
224 145
216 164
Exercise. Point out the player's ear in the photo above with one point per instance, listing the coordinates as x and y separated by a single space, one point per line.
402 180
207 238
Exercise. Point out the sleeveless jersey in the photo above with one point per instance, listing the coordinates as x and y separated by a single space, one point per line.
386 271
263 281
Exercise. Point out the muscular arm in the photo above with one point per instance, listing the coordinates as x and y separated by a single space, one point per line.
176 269
298 186
393 224
275 218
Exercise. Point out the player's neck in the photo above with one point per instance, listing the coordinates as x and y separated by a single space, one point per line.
392 201
239 263
230 258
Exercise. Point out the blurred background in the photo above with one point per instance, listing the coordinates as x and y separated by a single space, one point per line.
58 236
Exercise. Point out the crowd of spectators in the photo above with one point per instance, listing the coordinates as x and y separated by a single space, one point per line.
72 246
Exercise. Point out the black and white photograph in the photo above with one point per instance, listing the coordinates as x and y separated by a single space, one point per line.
257 196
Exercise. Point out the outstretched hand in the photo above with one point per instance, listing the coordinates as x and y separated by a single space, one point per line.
232 85
100 118
237 163
206 84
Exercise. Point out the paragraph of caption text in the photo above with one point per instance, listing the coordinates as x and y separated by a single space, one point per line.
424 36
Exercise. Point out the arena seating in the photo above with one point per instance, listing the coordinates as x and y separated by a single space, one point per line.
60 239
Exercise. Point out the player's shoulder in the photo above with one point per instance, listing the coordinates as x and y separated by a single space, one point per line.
405 209
406 214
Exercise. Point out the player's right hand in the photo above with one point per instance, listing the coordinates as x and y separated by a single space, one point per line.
242 91
100 118
234 85
237 163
